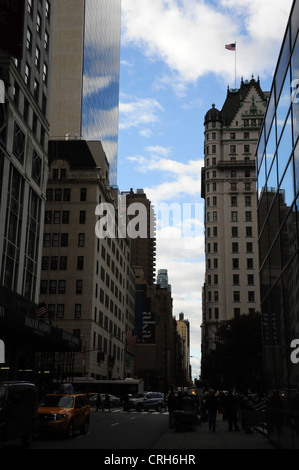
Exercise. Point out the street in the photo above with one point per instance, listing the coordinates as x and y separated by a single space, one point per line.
114 430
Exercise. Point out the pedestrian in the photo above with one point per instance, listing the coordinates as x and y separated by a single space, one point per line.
99 402
212 405
127 403
232 411
171 403
107 401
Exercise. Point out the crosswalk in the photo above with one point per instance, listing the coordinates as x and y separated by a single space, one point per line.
121 410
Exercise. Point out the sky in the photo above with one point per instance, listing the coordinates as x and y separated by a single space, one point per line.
174 66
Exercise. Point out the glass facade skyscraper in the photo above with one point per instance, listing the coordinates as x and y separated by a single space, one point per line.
85 73
278 216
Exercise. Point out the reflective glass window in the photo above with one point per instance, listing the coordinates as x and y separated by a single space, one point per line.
295 88
101 76
271 147
282 64
272 177
283 105
287 185
285 147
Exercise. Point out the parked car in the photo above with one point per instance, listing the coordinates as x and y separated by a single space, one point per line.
147 401
18 412
64 413
114 401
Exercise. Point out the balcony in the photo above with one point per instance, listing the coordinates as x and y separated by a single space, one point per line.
227 164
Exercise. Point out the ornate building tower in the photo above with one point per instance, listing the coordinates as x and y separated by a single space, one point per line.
231 285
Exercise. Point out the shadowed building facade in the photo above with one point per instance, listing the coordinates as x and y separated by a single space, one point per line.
85 67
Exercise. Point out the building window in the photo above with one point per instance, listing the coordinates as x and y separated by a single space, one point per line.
63 263
81 239
80 262
45 73
27 74
83 193
60 311
79 286
82 217
65 217
248 231
248 216
234 231
47 239
46 41
78 310
235 247
37 58
61 286
53 287
19 143
66 194
64 239
236 296
36 167
234 216
54 263
29 40
38 24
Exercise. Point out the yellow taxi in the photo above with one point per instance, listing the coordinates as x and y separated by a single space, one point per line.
64 414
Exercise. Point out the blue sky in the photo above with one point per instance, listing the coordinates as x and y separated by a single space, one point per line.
174 65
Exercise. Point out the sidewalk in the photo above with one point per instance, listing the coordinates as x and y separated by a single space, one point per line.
203 438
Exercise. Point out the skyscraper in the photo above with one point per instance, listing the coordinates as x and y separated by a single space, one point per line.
278 214
228 187
85 67
24 128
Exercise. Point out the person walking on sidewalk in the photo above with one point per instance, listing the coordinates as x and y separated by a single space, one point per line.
232 412
212 405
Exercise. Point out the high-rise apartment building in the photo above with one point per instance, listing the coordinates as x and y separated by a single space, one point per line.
162 279
183 327
143 246
278 215
85 67
87 284
231 285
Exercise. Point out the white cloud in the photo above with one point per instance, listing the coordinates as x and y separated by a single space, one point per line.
133 113
189 35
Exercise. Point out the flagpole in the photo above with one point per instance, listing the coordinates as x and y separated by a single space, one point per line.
235 65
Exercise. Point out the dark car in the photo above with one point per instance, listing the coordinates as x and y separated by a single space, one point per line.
18 412
148 401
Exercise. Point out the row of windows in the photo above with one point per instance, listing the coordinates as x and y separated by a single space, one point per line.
214 279
213 231
212 216
62 217
234 201
64 194
213 247
232 135
214 296
236 311
61 239
213 264
232 149
58 311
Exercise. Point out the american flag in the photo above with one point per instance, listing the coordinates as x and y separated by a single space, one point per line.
131 339
231 47
41 312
